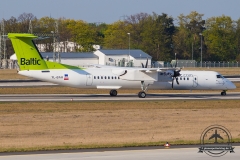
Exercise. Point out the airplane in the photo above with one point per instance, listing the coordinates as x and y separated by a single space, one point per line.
32 64
215 136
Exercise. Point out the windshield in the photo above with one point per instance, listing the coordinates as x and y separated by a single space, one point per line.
220 76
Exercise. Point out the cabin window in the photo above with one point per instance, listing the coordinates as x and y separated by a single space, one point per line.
108 77
97 77
101 77
181 78
195 79
118 77
115 77
176 78
105 77
94 77
187 78
112 77
184 79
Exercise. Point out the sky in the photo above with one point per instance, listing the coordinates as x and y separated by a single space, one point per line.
109 11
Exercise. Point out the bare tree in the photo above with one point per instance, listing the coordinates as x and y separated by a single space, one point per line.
137 22
24 20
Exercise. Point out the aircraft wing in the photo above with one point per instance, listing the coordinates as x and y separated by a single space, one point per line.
142 74
156 69
101 66
147 70
213 136
219 136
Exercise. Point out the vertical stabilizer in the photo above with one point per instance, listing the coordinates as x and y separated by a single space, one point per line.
26 51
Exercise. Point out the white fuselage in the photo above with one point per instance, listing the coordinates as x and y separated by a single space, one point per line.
107 78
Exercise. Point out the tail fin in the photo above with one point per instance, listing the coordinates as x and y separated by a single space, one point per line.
26 51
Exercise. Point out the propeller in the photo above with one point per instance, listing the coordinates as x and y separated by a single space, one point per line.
176 73
145 64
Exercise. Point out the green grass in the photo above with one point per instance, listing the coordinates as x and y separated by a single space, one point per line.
100 146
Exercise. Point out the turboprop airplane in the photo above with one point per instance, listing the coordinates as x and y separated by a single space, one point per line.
32 64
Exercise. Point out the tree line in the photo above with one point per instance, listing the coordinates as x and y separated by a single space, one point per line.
161 36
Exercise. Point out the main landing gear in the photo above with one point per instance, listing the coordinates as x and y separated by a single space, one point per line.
142 94
223 93
113 92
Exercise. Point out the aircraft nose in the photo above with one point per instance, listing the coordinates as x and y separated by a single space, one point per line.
230 85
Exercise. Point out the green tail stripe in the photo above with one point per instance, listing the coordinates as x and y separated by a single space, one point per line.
28 55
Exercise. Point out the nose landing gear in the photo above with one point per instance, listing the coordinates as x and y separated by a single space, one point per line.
223 93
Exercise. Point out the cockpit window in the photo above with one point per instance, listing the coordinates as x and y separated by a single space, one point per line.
220 76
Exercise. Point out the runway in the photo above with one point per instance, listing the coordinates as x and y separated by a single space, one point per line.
120 97
142 154
37 83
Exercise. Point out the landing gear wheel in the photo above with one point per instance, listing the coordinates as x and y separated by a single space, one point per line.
142 94
223 93
113 92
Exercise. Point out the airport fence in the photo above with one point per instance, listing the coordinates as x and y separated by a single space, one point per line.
12 64
206 64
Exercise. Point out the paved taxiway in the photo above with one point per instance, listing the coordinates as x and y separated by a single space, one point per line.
120 97
149 154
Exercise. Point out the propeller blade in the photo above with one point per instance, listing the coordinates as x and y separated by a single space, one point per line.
142 65
146 63
172 81
177 81
176 74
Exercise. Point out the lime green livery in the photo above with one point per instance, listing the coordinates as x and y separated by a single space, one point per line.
28 55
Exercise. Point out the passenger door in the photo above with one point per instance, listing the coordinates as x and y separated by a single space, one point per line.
89 79
195 81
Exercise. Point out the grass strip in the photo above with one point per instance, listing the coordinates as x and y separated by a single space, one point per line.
100 146
32 126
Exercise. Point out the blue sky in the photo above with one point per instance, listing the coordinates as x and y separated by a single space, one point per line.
110 11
